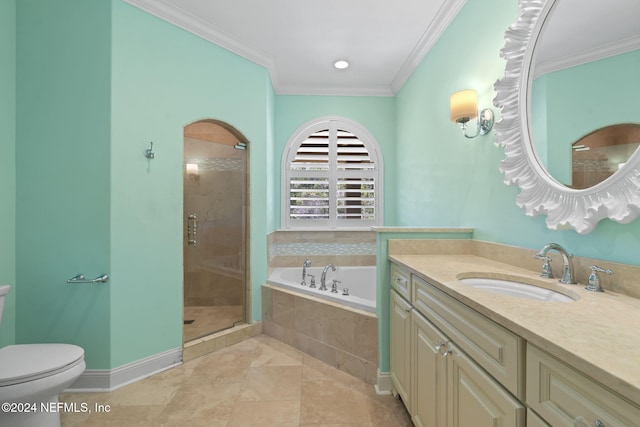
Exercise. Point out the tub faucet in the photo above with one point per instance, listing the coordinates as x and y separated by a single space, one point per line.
323 278
567 262
305 264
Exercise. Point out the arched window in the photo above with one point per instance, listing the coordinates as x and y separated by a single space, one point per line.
331 176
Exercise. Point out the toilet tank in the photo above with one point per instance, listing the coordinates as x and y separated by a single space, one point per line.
4 290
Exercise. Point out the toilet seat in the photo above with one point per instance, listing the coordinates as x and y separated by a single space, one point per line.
28 362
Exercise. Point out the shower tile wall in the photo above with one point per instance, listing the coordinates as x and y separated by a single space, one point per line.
292 248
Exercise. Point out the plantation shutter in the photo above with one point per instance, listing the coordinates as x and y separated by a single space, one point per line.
309 187
331 180
355 183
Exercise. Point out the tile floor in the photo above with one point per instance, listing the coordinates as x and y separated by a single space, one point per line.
257 382
210 319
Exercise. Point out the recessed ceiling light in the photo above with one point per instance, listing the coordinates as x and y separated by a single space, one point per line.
341 64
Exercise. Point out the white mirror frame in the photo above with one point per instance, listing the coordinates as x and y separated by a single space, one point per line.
616 198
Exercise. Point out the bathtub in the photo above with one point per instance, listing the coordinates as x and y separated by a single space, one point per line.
361 282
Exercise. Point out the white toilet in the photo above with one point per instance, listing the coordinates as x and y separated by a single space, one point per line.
32 376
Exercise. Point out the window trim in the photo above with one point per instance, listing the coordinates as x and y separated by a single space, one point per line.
294 142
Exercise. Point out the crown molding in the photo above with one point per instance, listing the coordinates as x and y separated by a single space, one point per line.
441 21
589 55
336 91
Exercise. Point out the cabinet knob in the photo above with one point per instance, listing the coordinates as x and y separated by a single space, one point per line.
400 280
442 345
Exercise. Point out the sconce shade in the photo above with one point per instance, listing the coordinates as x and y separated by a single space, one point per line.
463 105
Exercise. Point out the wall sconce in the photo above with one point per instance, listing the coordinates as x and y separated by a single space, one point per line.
192 171
463 106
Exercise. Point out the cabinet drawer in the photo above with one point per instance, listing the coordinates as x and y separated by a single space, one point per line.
400 281
562 395
496 349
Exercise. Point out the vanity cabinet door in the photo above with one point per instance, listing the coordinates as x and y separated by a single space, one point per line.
429 373
566 397
475 399
400 351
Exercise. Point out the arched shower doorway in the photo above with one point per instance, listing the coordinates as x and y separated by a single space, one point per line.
215 240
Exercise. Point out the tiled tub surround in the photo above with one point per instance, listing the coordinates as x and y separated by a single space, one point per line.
341 336
596 334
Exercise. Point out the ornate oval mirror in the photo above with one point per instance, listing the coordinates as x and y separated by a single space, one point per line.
557 89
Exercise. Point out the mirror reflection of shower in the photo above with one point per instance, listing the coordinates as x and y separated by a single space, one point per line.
215 235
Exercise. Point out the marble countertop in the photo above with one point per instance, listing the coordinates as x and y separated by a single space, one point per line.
598 333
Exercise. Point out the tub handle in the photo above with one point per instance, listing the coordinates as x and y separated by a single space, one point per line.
345 292
334 286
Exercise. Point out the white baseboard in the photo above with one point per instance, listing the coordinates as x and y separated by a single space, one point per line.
384 386
100 380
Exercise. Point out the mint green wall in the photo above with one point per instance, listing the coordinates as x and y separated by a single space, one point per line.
444 179
62 164
164 78
7 165
539 118
581 99
97 81
376 114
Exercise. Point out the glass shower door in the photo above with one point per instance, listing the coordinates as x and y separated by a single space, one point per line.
214 236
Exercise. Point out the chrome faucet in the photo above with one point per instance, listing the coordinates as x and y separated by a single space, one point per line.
305 264
567 262
323 278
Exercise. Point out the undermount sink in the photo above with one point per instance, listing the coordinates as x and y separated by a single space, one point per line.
516 289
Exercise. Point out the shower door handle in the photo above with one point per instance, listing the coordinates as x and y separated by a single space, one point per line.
192 229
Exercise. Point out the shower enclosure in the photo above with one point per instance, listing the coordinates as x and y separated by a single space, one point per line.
215 228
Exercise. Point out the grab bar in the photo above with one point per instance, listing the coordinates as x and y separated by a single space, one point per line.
81 279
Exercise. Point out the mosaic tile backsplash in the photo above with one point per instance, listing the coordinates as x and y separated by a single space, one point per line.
311 249
291 248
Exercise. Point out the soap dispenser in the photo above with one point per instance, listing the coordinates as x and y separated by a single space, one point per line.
594 280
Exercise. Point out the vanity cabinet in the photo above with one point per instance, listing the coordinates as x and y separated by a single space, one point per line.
445 386
454 367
